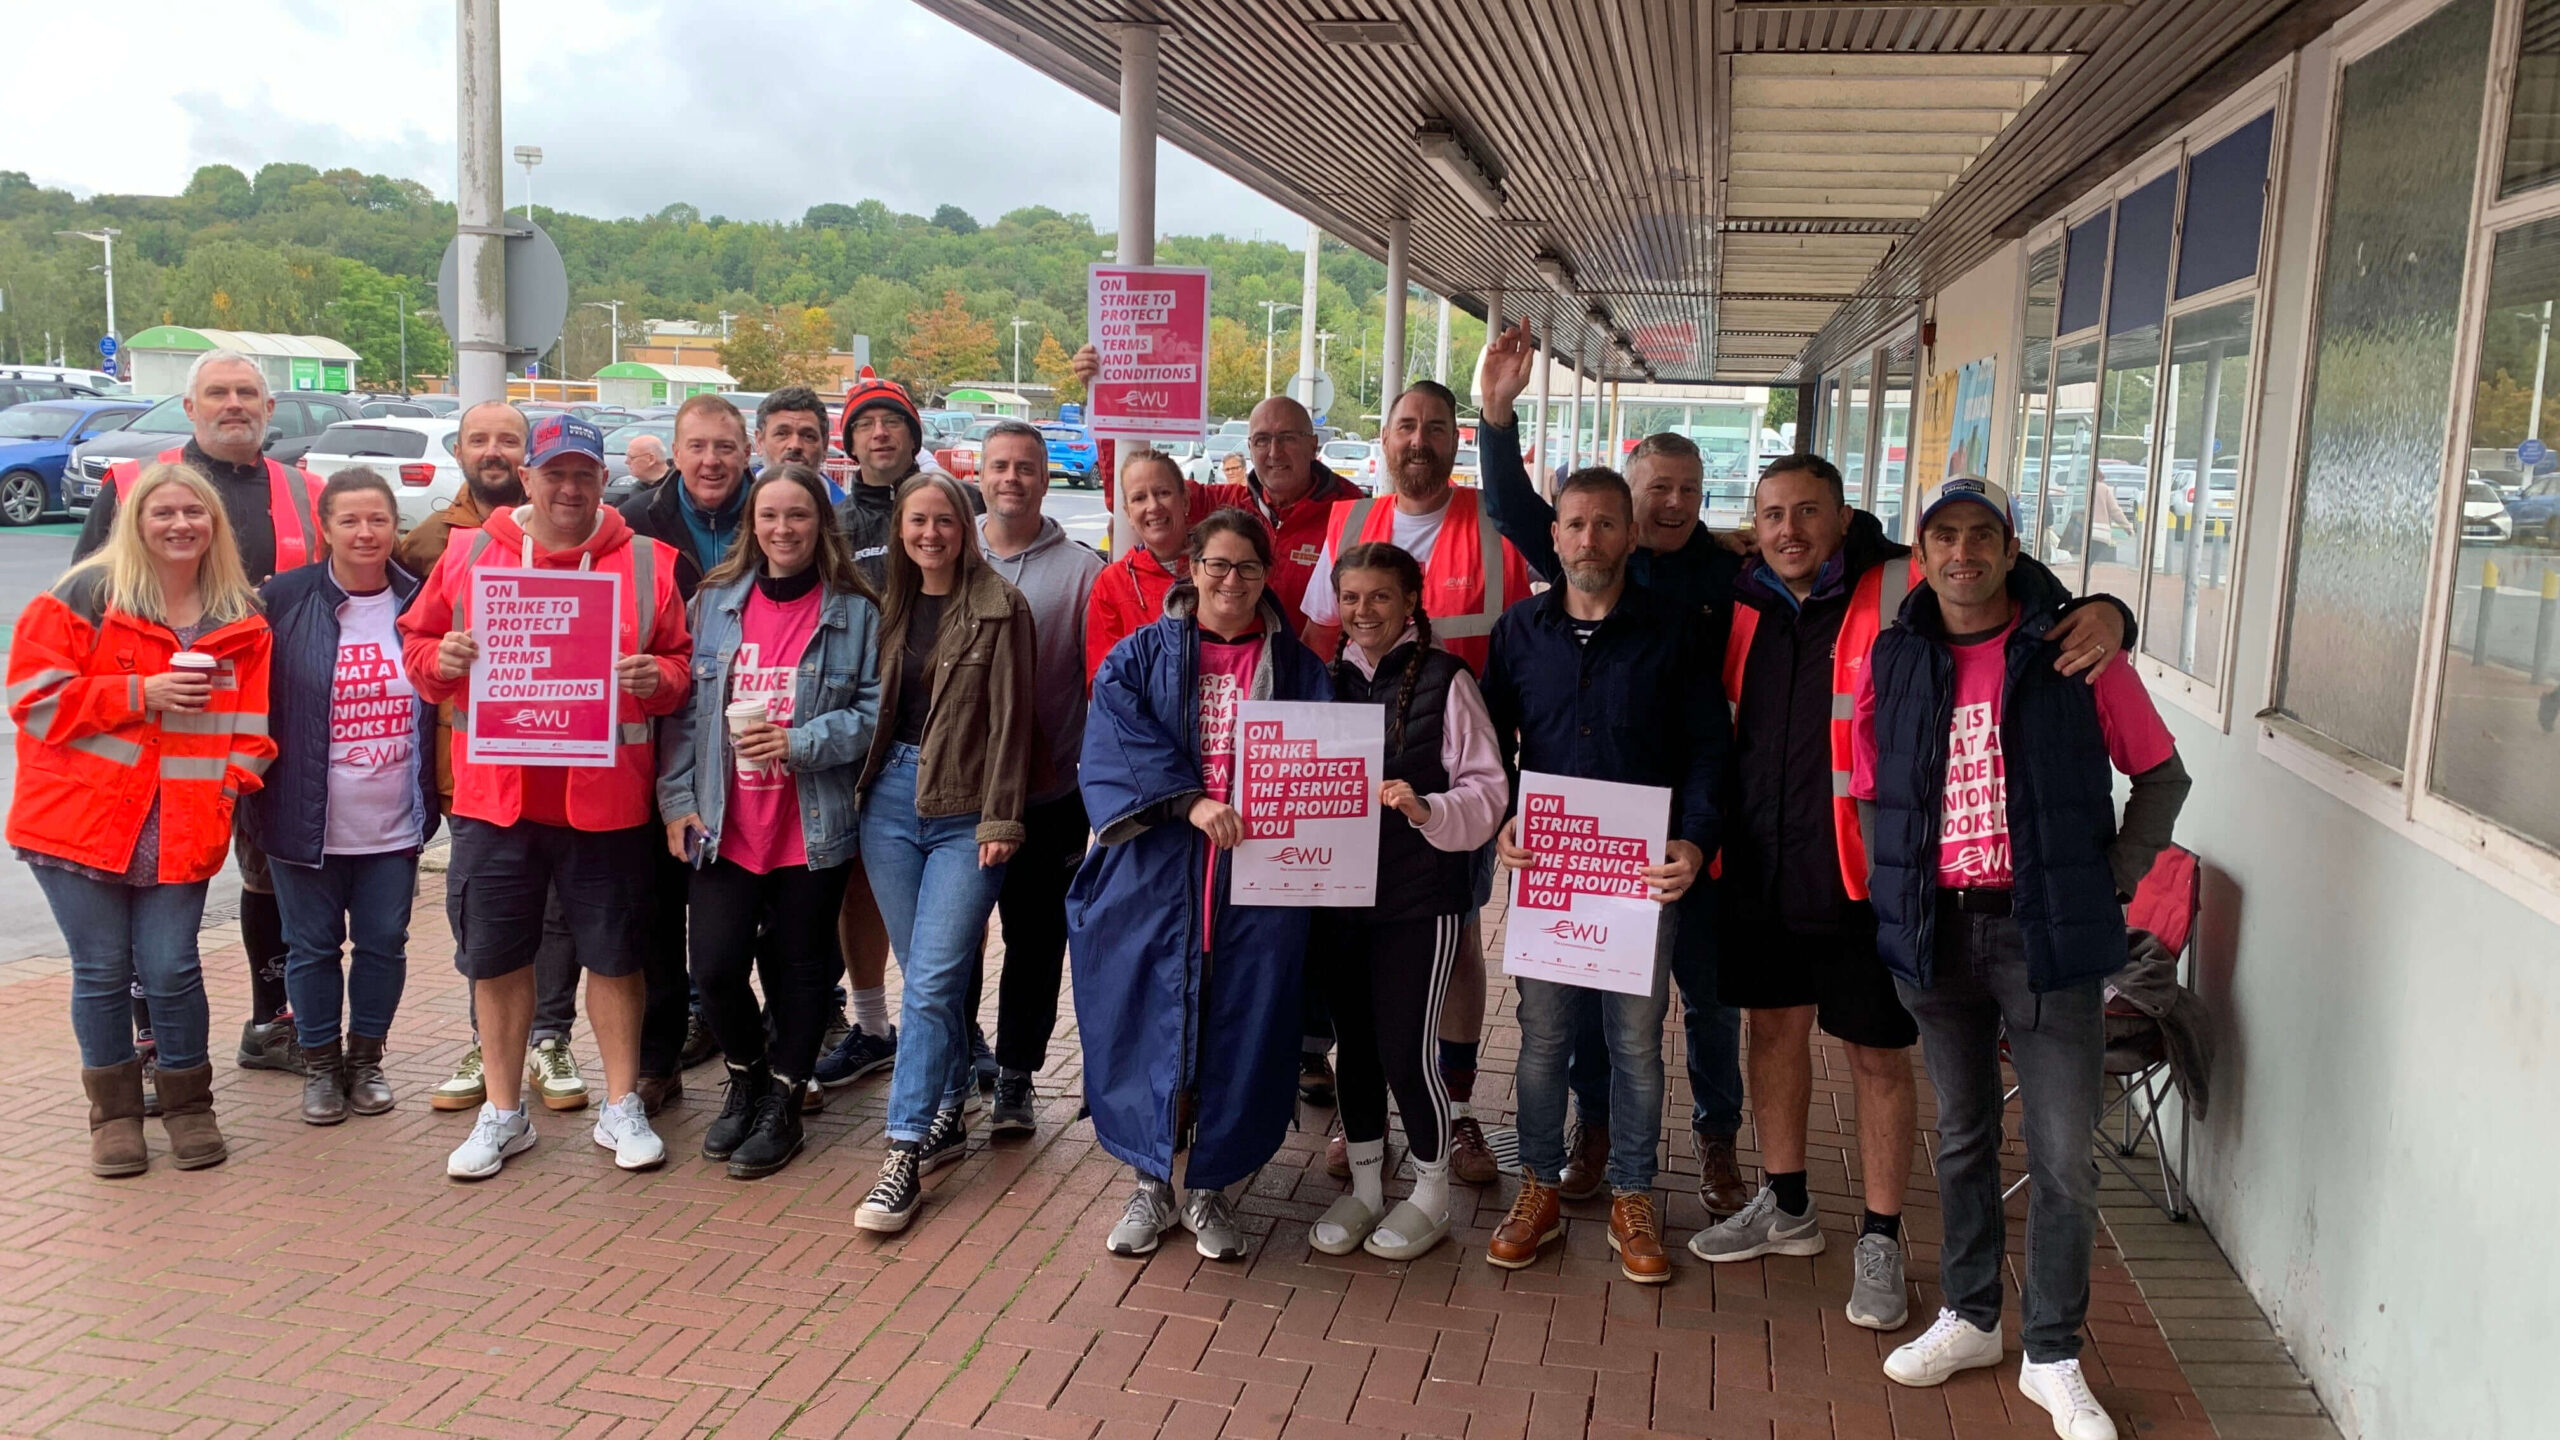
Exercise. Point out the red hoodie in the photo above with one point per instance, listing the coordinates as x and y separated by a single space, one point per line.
598 798
1127 597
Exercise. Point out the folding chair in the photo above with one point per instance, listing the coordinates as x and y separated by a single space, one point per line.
2137 1053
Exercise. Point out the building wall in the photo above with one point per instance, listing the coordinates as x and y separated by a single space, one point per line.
1977 315
2382 1146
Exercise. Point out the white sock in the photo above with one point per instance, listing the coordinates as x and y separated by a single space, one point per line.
1431 1188
871 1010
1458 1110
1369 1173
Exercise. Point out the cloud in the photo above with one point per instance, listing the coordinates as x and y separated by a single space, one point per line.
754 114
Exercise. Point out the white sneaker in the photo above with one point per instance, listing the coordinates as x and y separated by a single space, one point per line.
494 1136
1952 1344
552 1071
2064 1393
623 1128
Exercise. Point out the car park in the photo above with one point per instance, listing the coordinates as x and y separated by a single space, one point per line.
960 458
36 441
299 417
415 454
618 483
437 404
392 409
1209 466
1071 453
2484 513
2534 516
76 380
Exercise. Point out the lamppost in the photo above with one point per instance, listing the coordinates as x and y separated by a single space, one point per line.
1018 323
725 317
528 156
612 308
1270 316
105 236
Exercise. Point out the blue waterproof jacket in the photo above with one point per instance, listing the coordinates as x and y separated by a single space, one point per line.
1178 1036
289 816
835 707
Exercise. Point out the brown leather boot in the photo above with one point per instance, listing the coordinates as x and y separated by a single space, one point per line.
324 1084
1637 1237
657 1092
186 1109
116 1146
368 1093
1586 1170
1537 1216
1720 1186
1471 1160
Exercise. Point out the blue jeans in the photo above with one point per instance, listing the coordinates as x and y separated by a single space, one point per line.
120 933
1632 1030
1714 1033
358 903
934 900
2057 1046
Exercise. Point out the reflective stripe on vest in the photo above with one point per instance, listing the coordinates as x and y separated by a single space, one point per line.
1877 597
287 498
1475 624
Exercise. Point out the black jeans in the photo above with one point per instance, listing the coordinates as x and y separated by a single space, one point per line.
1383 983
1033 906
794 908
662 963
2057 1046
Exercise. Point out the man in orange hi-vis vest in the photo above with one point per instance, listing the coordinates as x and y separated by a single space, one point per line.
1470 575
1797 936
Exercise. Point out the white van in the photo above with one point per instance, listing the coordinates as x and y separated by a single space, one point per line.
95 381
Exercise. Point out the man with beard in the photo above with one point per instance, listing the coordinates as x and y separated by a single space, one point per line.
1470 575
490 446
273 518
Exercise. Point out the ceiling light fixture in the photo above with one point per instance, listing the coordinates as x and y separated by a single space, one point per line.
1558 275
1449 157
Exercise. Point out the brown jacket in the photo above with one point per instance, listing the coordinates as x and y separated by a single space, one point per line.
980 734
418 552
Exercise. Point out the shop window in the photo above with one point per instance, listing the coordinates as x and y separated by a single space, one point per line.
1893 435
2035 378
2390 298
1851 455
2084 273
2226 209
2533 125
2204 404
2138 285
2071 450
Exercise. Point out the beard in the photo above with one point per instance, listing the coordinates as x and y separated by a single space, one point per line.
1591 577
507 489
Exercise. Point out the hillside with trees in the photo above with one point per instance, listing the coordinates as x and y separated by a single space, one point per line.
340 253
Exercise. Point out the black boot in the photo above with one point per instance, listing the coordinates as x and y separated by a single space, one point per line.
776 1136
748 1085
324 1085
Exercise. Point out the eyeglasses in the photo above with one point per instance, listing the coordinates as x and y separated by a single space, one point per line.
1273 442
1241 569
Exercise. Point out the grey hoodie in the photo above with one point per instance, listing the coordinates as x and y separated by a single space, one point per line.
1056 575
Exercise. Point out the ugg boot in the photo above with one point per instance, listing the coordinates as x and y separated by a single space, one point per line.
324 1084
186 1108
116 1146
368 1093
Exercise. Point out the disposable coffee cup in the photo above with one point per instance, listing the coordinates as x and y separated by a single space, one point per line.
194 662
743 713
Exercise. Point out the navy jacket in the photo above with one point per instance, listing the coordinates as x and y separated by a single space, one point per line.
1641 704
1179 1034
1698 576
2061 795
289 815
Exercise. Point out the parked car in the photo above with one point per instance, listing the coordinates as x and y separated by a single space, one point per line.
1728 504
618 484
960 457
36 441
1209 466
392 409
437 404
1071 454
300 416
2534 517
2484 514
415 454
78 379
1470 467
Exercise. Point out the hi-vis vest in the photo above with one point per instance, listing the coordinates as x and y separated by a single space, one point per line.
1466 582
1877 596
290 506
643 591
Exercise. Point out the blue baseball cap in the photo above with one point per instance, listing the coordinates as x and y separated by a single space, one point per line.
1960 488
557 435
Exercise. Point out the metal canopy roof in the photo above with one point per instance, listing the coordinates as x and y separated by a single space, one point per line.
1742 186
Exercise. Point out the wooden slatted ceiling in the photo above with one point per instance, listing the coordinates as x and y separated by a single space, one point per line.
2005 29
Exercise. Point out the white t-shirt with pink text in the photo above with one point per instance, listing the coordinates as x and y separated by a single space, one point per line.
373 735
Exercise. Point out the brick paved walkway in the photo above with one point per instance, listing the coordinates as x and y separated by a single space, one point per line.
330 1281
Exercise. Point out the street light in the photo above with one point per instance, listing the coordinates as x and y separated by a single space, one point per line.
614 309
528 156
1270 316
1018 323
107 237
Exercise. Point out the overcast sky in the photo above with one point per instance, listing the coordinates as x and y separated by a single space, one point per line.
751 111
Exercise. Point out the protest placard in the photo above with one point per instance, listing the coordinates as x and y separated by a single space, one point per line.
1307 786
1151 325
1582 915
542 688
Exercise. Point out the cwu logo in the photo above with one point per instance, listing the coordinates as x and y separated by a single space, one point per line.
1304 857
1581 934
531 719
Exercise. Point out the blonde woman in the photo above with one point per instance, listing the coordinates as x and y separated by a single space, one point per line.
139 688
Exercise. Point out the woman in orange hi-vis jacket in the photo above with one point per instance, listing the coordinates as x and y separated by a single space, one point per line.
139 688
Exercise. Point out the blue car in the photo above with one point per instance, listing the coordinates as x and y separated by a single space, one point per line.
1070 454
2535 512
35 442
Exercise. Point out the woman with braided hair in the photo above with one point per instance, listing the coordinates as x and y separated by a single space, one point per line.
1385 968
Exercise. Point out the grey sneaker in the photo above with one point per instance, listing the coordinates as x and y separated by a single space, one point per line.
1761 1229
1877 1297
1212 1223
1149 1215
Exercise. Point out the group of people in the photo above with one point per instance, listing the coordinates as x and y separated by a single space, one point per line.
860 729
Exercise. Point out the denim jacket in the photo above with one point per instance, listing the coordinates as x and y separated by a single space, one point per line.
835 705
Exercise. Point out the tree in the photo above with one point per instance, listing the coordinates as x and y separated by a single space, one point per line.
1235 367
830 217
1056 369
276 182
945 344
366 315
955 220
232 285
223 190
786 346
1782 407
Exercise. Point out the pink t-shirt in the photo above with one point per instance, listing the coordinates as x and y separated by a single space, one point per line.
762 832
1973 826
1226 677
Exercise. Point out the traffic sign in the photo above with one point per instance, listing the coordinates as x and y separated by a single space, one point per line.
107 348
537 292
2532 452
1313 391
